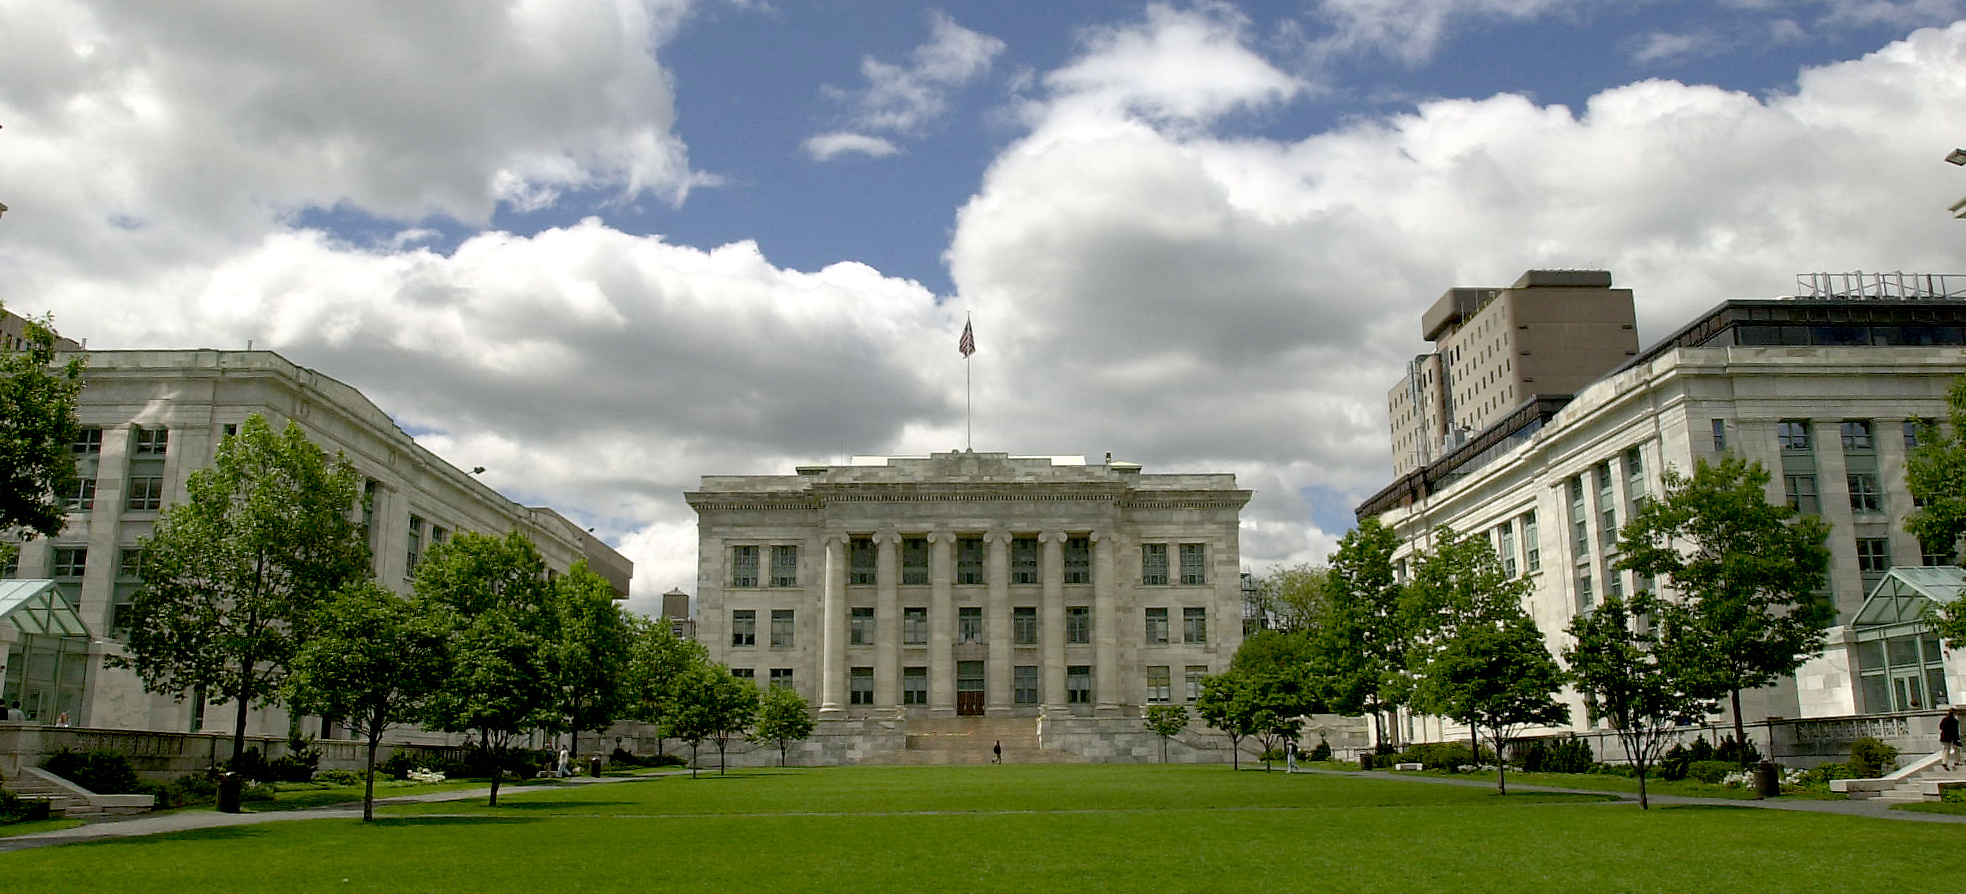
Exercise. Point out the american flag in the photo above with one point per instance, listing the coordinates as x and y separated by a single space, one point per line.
968 343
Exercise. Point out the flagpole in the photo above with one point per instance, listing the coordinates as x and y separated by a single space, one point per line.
967 346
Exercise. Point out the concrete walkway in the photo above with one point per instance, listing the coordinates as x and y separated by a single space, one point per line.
194 819
1845 807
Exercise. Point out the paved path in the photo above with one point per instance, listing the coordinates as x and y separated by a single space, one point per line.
1845 806
191 820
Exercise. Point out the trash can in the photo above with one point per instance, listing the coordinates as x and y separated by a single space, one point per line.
594 767
230 787
1767 780
1365 760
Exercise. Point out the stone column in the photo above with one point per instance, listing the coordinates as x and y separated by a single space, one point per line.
996 614
1052 635
832 649
1106 683
941 625
887 621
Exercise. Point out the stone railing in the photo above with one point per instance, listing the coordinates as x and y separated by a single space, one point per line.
157 755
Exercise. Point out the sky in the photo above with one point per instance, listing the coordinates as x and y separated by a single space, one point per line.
606 247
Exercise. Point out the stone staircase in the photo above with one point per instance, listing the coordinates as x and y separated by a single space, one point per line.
70 800
1921 780
968 740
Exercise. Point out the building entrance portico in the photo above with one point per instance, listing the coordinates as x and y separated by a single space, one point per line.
970 688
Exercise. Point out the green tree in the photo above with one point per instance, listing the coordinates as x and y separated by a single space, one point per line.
370 661
783 718
1747 572
1269 707
37 425
234 576
709 703
1361 643
1458 590
1166 721
490 594
1640 683
1295 598
657 661
590 646
1935 472
1499 678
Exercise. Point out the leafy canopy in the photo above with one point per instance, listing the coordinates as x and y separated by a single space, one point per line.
37 425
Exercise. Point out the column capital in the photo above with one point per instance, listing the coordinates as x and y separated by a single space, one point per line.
882 538
996 537
940 537
830 540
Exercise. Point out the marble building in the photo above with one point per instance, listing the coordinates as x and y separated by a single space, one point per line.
971 585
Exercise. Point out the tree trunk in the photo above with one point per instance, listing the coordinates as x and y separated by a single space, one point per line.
1501 765
1740 733
239 733
498 773
720 757
692 760
368 786
1235 752
781 754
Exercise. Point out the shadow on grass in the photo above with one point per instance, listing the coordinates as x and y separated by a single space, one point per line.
553 804
1734 807
454 820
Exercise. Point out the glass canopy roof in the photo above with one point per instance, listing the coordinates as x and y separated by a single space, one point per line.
40 608
1907 592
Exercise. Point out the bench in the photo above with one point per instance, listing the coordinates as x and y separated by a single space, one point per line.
1409 765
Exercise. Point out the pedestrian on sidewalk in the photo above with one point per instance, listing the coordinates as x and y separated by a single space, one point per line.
1290 757
1949 739
997 750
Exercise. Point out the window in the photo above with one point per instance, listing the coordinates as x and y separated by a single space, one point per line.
1078 684
1864 493
1801 491
1024 625
781 628
743 566
969 624
1194 563
70 562
146 494
914 686
1720 436
1873 555
1156 625
413 544
88 442
914 626
1194 625
914 561
1580 526
83 497
1585 598
744 673
1157 685
860 627
781 678
862 557
1932 557
1856 435
1607 509
1193 679
969 560
860 686
785 566
1912 428
1532 544
1153 564
152 441
1634 472
1024 684
1078 560
129 578
1078 624
1505 545
1024 560
1793 434
744 627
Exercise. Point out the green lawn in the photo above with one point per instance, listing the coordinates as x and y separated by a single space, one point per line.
1026 829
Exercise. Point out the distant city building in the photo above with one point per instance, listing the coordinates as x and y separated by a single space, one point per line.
1827 390
970 585
151 418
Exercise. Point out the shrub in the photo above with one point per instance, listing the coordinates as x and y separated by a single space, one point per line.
1952 794
251 765
1439 755
181 792
258 791
1741 753
297 765
1710 772
1672 766
100 771
339 777
1567 755
1322 752
1871 758
21 810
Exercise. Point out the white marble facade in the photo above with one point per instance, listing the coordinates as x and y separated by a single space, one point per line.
971 584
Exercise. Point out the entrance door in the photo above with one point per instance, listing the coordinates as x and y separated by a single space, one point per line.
1908 691
969 688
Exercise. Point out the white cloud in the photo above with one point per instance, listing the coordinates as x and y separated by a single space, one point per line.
902 100
1412 30
827 146
1179 65
1244 304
